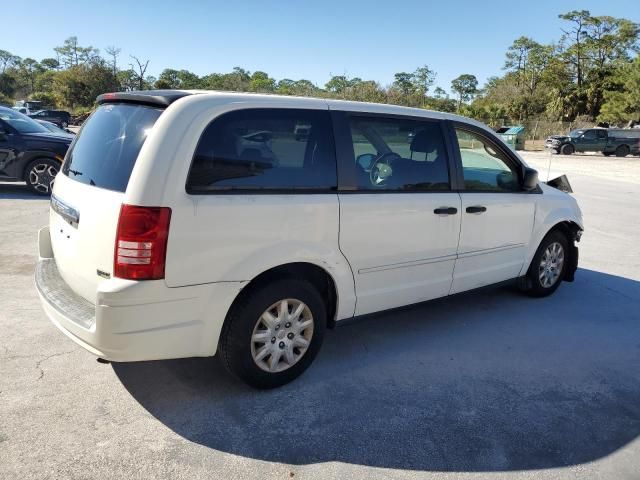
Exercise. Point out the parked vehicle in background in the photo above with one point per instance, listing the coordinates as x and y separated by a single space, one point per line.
59 117
190 223
53 128
619 142
28 107
29 152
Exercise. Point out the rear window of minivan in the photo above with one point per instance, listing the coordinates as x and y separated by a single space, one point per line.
108 145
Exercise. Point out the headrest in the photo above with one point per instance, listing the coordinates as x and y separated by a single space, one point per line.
426 140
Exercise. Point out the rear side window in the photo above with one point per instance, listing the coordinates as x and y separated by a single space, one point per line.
108 145
265 149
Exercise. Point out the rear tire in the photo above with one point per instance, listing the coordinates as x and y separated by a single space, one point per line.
548 266
266 342
622 151
567 149
40 174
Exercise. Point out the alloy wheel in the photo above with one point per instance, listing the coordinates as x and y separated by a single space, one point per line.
41 177
551 264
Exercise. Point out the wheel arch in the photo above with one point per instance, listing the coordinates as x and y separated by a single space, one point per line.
318 276
571 230
28 159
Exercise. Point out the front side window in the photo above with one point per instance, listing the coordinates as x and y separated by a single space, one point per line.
399 154
576 133
265 149
484 167
590 135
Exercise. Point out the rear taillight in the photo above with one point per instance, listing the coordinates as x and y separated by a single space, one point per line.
141 242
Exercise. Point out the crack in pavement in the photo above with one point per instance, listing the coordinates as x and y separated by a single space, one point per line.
40 362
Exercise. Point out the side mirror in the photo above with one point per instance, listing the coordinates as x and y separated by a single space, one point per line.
530 181
3 135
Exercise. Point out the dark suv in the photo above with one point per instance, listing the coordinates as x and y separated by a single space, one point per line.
29 152
59 117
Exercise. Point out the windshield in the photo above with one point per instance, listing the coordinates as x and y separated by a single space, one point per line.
576 133
107 147
20 122
53 128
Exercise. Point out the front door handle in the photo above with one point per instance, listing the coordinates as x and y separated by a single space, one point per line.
476 209
445 211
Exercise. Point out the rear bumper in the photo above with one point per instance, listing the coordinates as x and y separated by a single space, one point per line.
135 320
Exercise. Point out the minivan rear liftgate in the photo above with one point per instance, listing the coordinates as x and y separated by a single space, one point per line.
89 193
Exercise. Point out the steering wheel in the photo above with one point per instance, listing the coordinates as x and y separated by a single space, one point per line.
381 169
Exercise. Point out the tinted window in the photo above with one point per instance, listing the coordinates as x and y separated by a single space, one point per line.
590 134
484 167
107 147
399 154
265 149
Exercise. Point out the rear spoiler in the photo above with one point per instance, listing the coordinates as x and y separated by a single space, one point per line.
156 98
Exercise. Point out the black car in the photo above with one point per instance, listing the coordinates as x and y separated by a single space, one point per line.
29 152
59 117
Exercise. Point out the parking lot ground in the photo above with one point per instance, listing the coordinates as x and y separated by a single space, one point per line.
484 385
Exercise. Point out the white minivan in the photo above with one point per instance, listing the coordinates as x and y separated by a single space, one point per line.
192 223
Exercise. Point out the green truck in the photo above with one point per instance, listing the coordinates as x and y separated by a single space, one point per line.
608 141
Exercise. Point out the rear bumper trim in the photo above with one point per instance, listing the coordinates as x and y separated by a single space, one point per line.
60 297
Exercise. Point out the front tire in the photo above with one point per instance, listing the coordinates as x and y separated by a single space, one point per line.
40 175
273 332
548 266
567 149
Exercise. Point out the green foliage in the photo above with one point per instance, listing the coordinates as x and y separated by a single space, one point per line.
78 86
466 86
261 82
591 72
4 100
623 104
569 79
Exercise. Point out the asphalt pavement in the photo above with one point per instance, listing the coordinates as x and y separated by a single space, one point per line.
484 385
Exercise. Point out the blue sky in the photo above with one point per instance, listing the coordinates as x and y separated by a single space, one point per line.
368 39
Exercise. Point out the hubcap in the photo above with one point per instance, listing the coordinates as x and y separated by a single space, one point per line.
41 177
282 335
551 265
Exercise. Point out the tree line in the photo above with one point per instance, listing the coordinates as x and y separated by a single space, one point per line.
592 72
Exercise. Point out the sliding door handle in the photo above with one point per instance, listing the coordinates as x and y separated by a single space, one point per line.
476 209
445 211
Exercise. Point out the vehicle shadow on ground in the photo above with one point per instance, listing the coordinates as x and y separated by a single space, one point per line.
485 381
18 191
